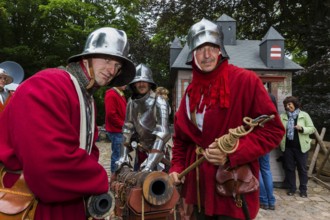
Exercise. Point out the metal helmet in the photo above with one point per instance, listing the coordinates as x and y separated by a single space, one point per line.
8 78
143 73
203 32
13 71
112 42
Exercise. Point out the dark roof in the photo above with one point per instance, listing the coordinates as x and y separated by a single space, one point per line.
176 43
272 34
225 17
244 54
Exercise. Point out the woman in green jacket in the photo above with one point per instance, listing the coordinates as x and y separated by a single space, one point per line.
295 144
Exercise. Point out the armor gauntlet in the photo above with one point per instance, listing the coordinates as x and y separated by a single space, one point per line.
154 157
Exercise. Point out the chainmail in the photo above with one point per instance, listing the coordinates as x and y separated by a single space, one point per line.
76 70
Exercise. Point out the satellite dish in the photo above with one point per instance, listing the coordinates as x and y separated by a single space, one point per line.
14 70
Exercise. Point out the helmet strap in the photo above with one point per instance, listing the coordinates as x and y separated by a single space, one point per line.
196 62
91 74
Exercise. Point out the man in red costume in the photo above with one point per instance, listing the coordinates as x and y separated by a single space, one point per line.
48 129
115 112
218 98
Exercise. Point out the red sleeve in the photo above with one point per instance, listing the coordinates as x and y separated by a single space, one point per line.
262 139
178 154
45 120
115 108
183 151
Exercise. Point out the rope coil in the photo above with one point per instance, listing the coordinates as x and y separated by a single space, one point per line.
228 143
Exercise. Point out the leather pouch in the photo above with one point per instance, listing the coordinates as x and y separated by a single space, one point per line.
235 181
17 202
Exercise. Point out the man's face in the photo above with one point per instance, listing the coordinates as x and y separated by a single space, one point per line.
142 87
3 80
207 56
106 68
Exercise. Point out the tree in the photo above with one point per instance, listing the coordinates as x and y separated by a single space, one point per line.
312 87
21 33
44 33
304 25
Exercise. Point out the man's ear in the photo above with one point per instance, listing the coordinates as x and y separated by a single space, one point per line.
85 62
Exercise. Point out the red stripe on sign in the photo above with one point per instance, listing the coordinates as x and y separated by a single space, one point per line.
275 53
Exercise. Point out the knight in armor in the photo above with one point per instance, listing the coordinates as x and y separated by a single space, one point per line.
146 123
48 129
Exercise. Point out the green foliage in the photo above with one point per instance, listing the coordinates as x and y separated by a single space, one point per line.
312 87
68 22
44 33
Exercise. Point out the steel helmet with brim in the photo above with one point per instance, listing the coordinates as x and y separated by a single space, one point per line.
8 78
143 73
113 42
13 70
202 32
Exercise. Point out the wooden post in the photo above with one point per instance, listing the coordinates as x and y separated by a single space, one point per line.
317 177
327 157
323 164
316 152
320 141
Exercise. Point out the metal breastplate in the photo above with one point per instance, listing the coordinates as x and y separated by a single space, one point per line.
143 118
148 117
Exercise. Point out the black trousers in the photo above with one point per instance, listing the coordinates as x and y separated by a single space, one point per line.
294 158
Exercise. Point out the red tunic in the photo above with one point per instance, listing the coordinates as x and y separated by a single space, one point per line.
115 111
248 97
40 134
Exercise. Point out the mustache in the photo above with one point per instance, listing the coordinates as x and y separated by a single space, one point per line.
142 87
208 60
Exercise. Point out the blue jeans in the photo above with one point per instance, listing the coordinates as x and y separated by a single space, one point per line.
116 142
266 196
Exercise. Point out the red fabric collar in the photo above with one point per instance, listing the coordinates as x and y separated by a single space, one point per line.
212 86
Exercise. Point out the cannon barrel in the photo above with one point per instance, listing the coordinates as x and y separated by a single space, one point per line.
100 206
157 186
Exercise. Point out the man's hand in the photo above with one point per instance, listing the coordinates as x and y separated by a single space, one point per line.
175 178
214 155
